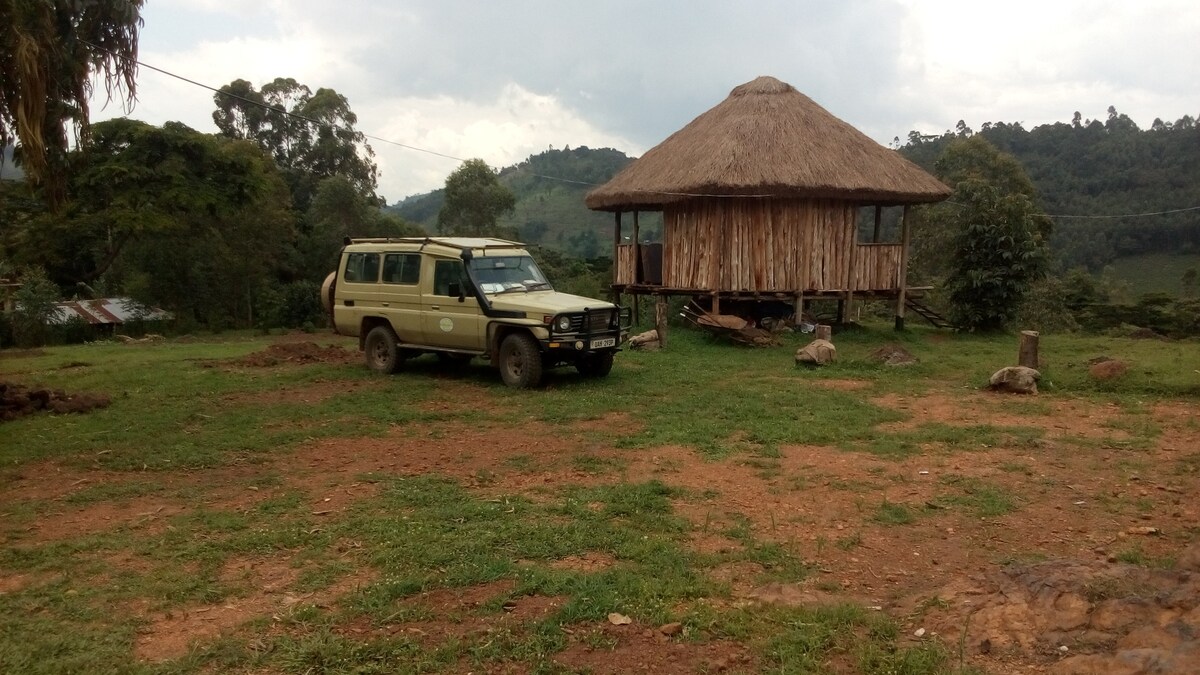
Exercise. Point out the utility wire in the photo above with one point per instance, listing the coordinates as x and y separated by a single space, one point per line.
406 146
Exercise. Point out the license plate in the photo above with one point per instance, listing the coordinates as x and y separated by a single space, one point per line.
604 342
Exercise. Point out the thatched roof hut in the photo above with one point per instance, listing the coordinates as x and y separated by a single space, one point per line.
767 139
760 198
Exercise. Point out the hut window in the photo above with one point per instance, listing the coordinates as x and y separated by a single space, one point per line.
888 225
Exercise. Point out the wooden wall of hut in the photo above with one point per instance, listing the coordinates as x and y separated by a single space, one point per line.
762 245
766 246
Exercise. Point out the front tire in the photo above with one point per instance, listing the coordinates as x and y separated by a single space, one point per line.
595 365
520 361
382 353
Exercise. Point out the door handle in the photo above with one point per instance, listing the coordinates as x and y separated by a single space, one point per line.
348 303
385 304
434 307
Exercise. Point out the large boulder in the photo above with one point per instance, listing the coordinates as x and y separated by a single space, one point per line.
817 353
1015 379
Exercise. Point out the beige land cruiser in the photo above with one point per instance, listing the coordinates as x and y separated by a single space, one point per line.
465 297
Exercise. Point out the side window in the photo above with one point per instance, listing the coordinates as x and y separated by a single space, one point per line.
362 267
401 268
446 272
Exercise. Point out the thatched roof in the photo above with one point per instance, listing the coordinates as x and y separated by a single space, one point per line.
767 139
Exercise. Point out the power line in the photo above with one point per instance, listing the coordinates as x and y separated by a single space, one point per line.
1126 215
538 175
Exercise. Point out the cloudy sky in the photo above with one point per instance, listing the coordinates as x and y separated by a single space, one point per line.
503 80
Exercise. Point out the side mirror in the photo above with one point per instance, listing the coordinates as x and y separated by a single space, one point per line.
456 290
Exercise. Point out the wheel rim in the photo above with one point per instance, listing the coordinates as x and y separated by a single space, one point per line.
516 366
379 353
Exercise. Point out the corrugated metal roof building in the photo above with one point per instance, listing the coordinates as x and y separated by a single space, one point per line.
107 312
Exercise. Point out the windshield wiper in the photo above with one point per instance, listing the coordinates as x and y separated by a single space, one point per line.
514 288
539 284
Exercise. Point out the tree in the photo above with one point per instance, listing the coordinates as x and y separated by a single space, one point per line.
475 199
188 221
989 235
310 135
339 211
48 55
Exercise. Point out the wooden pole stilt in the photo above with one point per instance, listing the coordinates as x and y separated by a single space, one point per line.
900 295
798 309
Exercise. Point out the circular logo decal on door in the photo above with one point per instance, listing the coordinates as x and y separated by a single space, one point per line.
446 324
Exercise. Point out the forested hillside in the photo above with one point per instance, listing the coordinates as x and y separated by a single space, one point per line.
549 188
1102 168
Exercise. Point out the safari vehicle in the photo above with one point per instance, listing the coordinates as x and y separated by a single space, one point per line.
462 298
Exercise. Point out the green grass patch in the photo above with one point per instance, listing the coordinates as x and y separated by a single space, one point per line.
891 513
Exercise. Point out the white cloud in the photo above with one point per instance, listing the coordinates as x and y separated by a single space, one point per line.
503 80
503 131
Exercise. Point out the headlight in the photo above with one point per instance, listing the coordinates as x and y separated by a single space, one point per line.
563 323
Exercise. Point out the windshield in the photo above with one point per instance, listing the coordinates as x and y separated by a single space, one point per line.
498 274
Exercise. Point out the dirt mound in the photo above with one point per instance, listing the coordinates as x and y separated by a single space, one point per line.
297 353
17 400
892 355
1109 369
1092 617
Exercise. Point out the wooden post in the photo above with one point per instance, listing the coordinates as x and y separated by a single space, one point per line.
841 311
900 299
660 320
637 309
878 222
637 250
845 310
616 256
716 303
1028 354
798 309
824 332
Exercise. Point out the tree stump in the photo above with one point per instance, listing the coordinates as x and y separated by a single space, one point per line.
1028 355
660 320
824 332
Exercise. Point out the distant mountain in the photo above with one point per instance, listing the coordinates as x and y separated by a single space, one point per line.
549 187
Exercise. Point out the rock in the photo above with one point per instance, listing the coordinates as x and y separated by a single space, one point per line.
618 619
1015 379
1108 370
673 628
647 341
920 632
817 353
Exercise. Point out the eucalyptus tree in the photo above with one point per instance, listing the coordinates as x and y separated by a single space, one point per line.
51 52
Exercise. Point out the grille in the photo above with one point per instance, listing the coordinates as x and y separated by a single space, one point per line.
599 320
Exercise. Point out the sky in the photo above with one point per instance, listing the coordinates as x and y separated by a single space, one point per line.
505 80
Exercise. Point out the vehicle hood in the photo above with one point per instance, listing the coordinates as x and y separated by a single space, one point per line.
545 302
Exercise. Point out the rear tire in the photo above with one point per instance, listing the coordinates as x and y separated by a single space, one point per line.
595 365
382 353
520 361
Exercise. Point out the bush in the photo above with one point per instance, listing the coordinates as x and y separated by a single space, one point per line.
291 305
36 300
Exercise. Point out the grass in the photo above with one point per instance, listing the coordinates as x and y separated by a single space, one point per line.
181 414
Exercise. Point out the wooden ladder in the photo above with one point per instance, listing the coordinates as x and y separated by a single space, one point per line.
926 312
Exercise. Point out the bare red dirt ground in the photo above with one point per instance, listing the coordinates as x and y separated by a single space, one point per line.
1053 570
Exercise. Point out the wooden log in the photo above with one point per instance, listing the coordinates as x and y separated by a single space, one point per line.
660 320
824 332
798 309
1028 354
